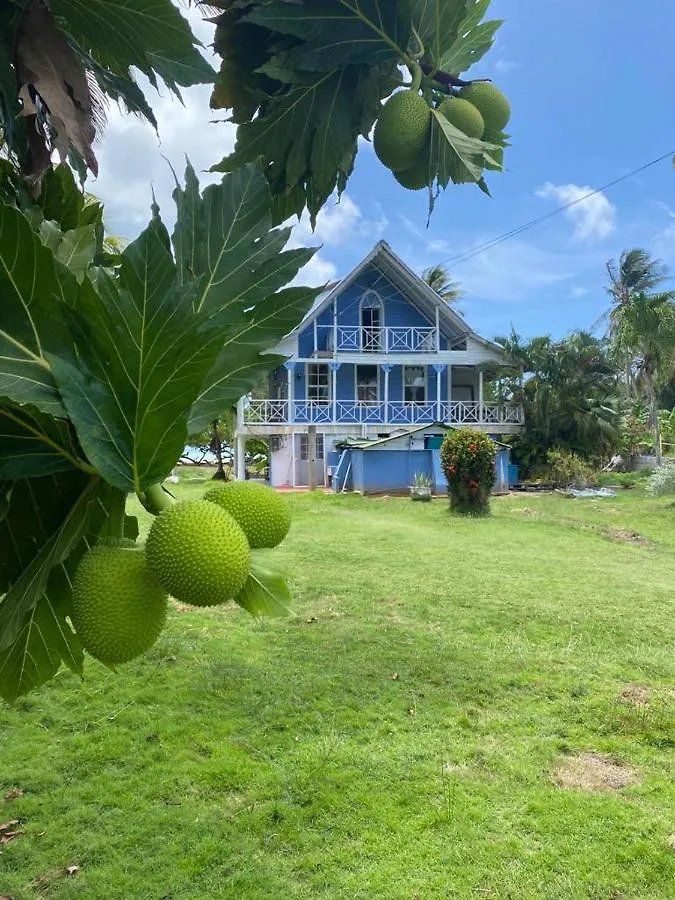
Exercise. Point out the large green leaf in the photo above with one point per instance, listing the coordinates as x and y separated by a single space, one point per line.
306 135
437 22
224 242
338 33
30 322
455 156
34 444
30 532
148 34
45 641
265 592
474 39
142 356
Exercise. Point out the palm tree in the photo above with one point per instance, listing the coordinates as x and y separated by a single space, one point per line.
448 290
635 274
644 331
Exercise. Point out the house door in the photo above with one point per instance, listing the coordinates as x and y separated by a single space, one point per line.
302 461
371 323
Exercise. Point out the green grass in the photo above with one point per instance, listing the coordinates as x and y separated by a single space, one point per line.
397 738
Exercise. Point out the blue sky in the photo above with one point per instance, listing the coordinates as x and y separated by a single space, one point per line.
590 84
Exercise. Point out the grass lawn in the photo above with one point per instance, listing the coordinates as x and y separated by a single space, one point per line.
470 709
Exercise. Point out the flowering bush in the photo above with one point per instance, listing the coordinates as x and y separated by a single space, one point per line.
663 480
468 461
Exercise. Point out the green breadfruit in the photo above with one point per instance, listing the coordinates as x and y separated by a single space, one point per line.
198 553
463 115
402 130
119 609
414 179
490 102
261 512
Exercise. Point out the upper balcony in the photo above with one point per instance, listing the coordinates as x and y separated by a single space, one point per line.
387 339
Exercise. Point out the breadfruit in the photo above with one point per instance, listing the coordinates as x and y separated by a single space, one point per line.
463 115
119 608
198 553
402 130
490 103
414 179
260 512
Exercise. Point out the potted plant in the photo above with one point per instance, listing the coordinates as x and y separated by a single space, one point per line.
421 489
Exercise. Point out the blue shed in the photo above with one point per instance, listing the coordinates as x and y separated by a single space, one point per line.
389 465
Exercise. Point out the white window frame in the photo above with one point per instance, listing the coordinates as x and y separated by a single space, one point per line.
320 367
426 383
357 366
304 446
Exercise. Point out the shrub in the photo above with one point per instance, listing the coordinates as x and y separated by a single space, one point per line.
468 461
568 470
662 481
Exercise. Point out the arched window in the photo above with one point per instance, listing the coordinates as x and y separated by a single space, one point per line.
371 311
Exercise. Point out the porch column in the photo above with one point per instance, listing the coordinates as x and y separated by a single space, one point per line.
439 406
480 395
438 330
289 365
334 366
240 455
335 331
386 368
316 337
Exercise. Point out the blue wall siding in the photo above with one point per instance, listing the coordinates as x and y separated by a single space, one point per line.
398 312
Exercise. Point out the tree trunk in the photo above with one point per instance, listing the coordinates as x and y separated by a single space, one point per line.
654 415
217 449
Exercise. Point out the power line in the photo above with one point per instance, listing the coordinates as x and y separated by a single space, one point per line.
494 242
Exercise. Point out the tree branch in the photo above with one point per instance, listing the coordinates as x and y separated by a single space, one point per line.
448 81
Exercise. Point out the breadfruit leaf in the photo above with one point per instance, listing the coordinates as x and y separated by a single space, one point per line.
33 444
265 592
45 641
148 34
142 356
31 321
474 39
223 240
438 23
37 544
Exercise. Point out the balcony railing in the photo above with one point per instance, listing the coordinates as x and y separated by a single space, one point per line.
358 339
394 412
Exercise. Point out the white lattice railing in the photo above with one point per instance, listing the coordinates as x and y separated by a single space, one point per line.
394 412
355 338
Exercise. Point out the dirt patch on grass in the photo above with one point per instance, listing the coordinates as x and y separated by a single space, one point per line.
623 534
635 694
595 772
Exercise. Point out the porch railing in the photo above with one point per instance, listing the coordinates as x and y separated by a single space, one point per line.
394 412
390 339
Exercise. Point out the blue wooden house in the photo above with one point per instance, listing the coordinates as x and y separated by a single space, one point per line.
378 356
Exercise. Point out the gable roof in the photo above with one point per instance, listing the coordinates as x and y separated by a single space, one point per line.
383 258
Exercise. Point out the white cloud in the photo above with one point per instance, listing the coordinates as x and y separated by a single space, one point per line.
663 244
593 217
318 271
504 66
134 160
340 222
576 291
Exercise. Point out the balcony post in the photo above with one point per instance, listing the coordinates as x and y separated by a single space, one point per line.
438 330
334 366
480 396
289 365
439 372
386 368
335 331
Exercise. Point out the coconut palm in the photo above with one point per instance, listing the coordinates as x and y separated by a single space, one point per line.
644 333
448 289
